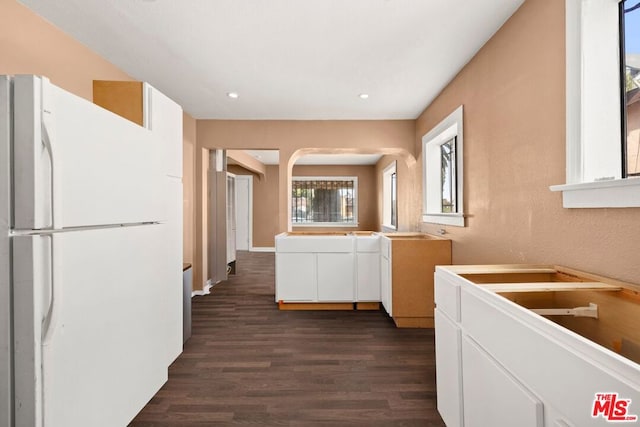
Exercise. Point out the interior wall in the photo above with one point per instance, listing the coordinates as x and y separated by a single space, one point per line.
31 45
265 205
367 196
513 92
293 137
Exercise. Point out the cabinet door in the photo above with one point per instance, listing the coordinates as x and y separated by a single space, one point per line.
492 396
448 370
335 277
385 283
368 288
296 277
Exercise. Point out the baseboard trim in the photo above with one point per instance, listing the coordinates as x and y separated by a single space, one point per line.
205 291
262 249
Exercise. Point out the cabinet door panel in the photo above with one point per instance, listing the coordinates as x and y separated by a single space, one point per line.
368 276
492 397
335 277
385 284
448 370
296 277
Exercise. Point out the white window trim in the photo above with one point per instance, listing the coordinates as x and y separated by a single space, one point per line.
594 170
331 224
386 195
451 126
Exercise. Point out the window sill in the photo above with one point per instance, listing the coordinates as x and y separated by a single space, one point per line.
325 224
389 227
456 220
616 193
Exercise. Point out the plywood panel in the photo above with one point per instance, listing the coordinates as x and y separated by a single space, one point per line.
122 98
413 267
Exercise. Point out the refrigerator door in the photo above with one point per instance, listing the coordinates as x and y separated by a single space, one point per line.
76 164
87 314
5 277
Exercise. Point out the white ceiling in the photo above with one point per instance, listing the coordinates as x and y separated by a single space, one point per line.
287 59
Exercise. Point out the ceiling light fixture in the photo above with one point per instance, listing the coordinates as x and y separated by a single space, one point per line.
364 95
232 95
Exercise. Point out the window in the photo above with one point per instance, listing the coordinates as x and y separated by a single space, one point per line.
594 110
389 197
630 60
442 155
324 201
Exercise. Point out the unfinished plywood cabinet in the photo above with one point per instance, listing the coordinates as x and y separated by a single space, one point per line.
535 346
123 98
407 264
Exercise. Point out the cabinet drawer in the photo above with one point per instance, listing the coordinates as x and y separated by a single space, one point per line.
314 244
368 244
447 296
385 247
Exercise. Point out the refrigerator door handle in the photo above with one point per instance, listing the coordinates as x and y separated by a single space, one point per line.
46 132
51 319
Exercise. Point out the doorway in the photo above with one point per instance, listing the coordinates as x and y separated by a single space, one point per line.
244 212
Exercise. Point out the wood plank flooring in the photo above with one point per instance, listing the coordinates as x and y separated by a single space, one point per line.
249 364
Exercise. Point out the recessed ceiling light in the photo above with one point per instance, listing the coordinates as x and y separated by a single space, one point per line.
364 95
233 95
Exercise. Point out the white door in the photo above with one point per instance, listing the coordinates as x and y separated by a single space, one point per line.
244 214
103 355
231 217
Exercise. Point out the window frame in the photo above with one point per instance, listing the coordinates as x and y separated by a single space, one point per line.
387 196
594 171
355 222
450 127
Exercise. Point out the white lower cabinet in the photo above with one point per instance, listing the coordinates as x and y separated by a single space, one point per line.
492 397
499 364
296 277
368 276
448 369
385 283
335 277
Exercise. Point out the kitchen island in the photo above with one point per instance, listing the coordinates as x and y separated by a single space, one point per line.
342 270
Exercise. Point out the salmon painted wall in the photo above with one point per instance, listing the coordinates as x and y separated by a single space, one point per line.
513 92
293 139
31 45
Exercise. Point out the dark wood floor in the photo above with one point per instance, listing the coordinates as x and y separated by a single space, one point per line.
250 364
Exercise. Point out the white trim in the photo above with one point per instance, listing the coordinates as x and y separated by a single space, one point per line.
325 224
616 193
594 158
386 195
205 291
454 219
262 249
451 126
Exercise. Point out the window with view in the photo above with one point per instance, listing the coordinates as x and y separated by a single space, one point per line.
324 201
630 53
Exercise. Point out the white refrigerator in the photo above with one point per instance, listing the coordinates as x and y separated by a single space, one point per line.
83 253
